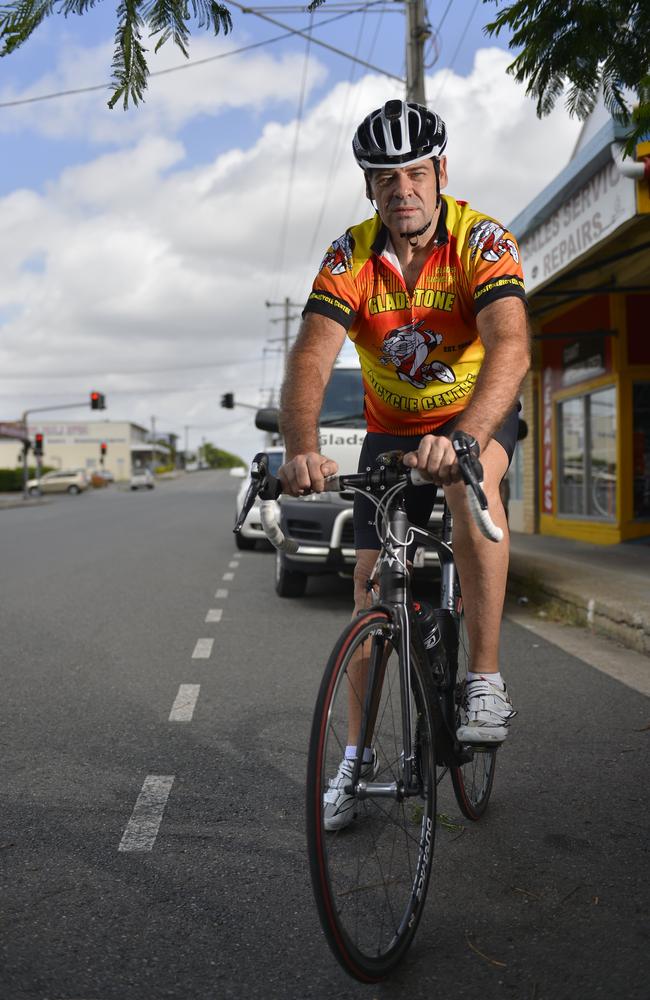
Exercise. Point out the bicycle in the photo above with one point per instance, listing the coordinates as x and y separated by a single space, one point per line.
370 879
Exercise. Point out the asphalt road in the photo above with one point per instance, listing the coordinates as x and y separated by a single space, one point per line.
103 600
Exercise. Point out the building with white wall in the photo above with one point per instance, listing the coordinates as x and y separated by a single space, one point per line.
76 444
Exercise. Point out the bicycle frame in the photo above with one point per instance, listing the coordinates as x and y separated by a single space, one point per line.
394 597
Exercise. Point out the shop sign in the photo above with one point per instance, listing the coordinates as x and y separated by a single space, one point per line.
583 359
591 215
547 441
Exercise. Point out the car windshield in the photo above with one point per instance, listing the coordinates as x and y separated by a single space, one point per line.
343 403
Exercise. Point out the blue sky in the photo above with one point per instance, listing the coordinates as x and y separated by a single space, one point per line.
138 244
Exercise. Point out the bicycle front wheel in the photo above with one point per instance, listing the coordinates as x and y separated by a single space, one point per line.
472 781
370 876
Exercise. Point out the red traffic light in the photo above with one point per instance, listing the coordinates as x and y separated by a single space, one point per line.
97 401
103 448
38 444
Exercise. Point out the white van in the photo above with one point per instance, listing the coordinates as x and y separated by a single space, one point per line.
321 523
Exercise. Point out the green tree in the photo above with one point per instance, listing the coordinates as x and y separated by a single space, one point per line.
217 458
585 45
162 18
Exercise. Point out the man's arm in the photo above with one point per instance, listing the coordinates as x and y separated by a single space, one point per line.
309 367
503 328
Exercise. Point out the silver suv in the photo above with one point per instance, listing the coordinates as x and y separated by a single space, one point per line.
61 481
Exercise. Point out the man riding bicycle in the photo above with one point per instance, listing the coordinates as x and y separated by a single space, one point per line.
431 293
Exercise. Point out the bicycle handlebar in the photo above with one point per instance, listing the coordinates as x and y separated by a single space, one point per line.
268 488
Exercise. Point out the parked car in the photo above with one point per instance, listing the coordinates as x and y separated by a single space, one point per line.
142 479
60 481
251 530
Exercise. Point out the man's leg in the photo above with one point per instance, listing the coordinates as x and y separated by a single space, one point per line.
358 669
482 564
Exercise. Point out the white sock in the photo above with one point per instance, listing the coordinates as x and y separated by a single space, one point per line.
351 753
496 679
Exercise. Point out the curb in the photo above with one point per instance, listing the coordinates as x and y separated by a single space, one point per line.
626 624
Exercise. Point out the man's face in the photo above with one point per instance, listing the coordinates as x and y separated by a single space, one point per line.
406 196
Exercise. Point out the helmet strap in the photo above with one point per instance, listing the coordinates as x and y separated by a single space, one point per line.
414 237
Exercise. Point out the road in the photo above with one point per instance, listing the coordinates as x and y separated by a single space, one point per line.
145 858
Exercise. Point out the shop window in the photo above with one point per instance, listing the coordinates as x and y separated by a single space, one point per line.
587 460
641 448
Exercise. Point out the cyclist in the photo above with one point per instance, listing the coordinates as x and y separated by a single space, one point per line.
431 293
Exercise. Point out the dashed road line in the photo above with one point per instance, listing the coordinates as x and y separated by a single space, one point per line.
214 615
185 703
221 594
142 829
228 576
203 649
233 564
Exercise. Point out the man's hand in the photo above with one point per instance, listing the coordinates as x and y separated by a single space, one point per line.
436 460
306 473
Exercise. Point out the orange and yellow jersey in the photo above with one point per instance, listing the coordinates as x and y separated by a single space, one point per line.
420 352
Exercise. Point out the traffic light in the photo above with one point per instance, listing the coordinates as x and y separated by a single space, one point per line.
38 445
97 401
103 449
228 401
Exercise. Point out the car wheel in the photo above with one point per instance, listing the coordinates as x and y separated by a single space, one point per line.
245 544
149 486
34 491
134 487
73 489
288 583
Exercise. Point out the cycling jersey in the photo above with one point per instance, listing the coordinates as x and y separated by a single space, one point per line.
420 353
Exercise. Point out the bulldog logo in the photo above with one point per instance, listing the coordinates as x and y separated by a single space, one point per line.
339 256
490 240
407 348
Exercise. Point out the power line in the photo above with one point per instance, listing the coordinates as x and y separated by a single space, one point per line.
316 41
292 166
463 35
288 33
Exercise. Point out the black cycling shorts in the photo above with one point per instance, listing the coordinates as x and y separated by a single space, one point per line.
419 499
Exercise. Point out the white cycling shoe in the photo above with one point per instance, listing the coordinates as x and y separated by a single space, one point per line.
339 808
486 713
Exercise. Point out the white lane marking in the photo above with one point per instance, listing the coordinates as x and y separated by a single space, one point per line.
203 649
228 576
598 651
233 564
185 703
221 594
214 615
142 829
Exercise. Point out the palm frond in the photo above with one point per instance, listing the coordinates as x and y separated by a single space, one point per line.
19 19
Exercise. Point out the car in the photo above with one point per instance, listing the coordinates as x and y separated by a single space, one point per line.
59 481
142 479
252 530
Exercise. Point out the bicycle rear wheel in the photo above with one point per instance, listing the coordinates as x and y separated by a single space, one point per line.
370 879
472 781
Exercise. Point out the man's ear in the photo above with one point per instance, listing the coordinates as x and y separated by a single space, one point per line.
443 171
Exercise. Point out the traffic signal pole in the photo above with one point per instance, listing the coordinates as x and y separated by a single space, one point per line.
50 409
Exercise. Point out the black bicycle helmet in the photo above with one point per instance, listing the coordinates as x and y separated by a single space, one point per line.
399 133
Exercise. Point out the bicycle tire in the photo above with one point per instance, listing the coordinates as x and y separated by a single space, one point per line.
370 879
473 781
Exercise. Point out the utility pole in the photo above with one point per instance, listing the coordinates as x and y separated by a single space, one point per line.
153 443
287 305
418 32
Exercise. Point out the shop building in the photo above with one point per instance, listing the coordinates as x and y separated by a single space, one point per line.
77 445
583 472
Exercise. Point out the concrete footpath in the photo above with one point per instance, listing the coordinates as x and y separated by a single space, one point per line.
604 587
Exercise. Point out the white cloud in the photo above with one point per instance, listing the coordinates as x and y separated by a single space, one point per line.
125 264
256 81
